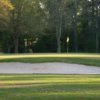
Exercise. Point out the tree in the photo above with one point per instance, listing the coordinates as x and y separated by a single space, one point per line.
55 13
97 4
26 19
75 25
95 9
50 20
5 8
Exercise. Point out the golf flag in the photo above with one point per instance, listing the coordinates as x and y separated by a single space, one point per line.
67 40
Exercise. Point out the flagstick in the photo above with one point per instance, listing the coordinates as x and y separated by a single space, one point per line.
67 47
67 40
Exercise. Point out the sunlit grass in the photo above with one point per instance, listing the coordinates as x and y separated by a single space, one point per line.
48 79
49 87
69 55
51 80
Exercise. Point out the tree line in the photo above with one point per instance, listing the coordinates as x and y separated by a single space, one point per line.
45 26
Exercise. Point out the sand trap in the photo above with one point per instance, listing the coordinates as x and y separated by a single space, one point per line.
50 68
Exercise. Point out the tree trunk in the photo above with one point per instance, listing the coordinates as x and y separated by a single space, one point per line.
58 45
16 42
58 34
96 21
75 27
95 24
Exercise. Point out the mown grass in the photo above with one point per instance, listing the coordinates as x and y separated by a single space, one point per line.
87 59
49 87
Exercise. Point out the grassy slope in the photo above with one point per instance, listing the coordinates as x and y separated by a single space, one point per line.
49 87
88 59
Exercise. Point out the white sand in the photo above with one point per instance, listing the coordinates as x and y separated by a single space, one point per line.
50 68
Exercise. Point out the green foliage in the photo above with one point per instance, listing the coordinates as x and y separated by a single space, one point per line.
46 19
5 8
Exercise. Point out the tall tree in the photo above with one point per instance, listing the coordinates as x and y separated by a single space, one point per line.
55 12
97 4
75 25
95 21
25 19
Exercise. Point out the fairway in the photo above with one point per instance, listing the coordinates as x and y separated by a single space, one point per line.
49 87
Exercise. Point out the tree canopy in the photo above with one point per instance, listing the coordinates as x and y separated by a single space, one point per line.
5 8
44 25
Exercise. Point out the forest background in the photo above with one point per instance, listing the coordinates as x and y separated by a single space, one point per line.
49 26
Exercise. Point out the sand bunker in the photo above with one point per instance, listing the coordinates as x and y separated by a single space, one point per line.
48 68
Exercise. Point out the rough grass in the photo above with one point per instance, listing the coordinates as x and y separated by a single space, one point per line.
49 87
